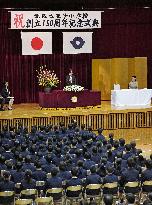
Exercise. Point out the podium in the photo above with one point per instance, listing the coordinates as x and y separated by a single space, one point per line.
65 99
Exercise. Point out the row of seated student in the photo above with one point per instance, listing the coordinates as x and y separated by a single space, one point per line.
130 199
73 156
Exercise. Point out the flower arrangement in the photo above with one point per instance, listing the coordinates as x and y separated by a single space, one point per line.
75 88
47 78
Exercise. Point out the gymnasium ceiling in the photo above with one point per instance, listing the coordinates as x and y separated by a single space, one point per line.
74 4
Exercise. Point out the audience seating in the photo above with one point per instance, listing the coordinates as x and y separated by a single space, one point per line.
44 201
41 195
7 197
76 191
29 194
93 191
110 188
56 194
23 202
40 185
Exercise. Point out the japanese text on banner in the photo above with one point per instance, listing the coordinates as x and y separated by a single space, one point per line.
55 19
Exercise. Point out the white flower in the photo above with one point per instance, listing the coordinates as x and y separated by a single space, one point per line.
75 88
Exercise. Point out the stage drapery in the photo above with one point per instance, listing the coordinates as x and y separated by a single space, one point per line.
124 33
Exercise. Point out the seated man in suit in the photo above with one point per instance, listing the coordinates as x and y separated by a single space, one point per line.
5 93
2 101
70 78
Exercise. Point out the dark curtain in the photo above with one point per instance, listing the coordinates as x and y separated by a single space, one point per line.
124 33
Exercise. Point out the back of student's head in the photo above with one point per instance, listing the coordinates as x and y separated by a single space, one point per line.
108 199
116 144
122 141
100 130
148 164
94 149
54 171
78 152
74 171
79 139
130 198
62 166
147 202
6 175
28 174
37 164
133 144
87 155
111 135
80 163
18 165
93 169
130 162
28 159
128 147
110 169
150 196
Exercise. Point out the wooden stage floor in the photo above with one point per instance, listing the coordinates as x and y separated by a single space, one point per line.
143 136
34 110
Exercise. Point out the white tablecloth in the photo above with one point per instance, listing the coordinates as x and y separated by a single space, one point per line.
131 98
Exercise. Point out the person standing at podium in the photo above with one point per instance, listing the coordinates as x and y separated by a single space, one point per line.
133 83
70 78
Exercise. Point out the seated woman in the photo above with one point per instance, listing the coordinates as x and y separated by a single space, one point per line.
133 83
5 93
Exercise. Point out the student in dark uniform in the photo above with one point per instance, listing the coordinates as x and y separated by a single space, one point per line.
28 182
6 184
93 178
147 175
74 181
110 178
2 102
39 174
130 175
54 182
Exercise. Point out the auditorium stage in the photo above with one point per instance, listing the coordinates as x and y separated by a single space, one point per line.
131 124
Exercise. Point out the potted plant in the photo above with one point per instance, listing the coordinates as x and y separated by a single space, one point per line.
47 78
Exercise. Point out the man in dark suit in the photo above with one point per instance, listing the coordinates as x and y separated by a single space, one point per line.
2 102
5 94
70 78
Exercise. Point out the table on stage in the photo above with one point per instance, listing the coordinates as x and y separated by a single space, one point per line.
131 98
65 99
